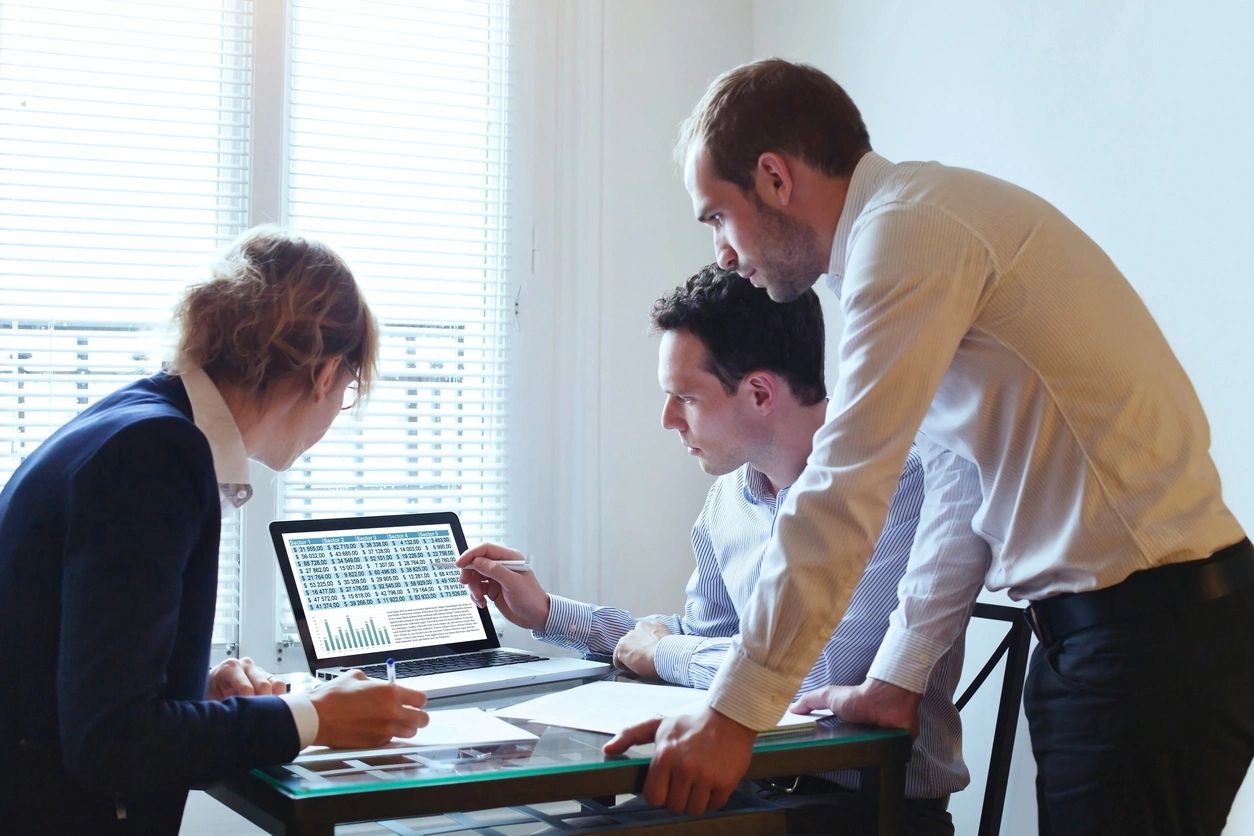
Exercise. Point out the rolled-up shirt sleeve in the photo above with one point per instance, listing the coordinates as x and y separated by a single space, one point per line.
698 643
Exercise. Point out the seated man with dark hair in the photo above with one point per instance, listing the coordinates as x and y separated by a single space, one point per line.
743 379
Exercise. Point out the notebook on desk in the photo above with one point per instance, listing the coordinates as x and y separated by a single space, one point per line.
366 589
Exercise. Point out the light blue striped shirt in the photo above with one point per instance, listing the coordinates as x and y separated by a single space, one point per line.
728 540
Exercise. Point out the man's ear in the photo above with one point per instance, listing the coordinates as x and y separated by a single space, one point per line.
326 377
774 179
763 387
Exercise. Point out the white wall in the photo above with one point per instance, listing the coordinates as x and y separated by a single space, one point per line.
1133 118
602 488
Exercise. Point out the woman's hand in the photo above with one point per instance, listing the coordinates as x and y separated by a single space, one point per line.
242 678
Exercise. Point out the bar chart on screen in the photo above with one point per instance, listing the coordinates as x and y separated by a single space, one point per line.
342 634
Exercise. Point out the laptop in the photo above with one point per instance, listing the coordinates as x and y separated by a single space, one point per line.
366 589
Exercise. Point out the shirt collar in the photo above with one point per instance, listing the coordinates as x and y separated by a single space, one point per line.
213 418
868 175
757 487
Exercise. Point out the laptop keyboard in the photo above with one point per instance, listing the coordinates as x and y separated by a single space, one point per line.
444 664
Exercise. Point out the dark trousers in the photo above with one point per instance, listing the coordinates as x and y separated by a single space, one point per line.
1145 726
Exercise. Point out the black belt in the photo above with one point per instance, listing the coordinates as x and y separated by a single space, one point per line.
1143 593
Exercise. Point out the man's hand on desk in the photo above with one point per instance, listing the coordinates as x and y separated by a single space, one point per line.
635 650
875 702
355 711
697 762
242 678
518 595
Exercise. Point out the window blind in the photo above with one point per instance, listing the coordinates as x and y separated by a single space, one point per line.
398 130
123 165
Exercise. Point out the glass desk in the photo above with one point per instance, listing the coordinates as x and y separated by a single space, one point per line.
563 764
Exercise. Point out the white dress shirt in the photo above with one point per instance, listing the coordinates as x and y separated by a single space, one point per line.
213 417
1059 419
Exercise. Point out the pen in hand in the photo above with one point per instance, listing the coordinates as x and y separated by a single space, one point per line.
391 663
515 565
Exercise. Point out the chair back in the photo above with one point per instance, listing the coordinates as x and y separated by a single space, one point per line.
1015 648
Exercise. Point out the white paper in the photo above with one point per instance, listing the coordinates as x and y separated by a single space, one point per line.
610 707
448 727
463 727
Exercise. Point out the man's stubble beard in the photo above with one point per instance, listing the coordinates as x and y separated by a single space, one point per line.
795 259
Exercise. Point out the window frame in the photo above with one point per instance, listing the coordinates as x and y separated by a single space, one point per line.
256 584
260 584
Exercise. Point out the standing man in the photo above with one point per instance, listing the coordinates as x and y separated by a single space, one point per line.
978 315
744 388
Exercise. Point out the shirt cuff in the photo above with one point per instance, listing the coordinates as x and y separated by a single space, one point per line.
304 714
750 694
672 658
906 659
569 623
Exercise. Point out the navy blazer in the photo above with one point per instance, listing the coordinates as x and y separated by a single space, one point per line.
108 585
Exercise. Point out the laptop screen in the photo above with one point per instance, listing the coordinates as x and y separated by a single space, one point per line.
377 589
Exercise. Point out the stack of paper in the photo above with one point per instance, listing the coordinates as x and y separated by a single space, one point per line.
447 727
465 727
610 707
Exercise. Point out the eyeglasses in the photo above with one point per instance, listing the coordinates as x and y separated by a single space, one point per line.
351 397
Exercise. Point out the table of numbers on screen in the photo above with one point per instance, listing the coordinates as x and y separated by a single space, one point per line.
377 568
